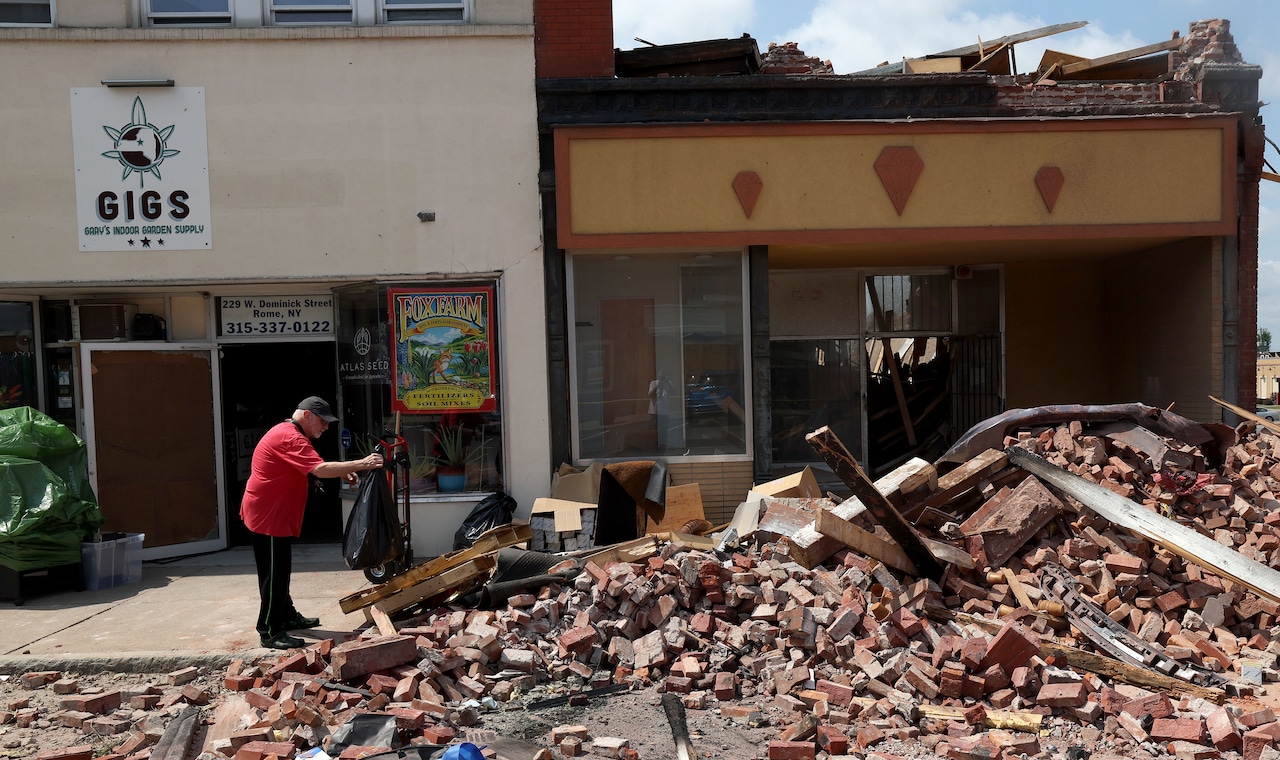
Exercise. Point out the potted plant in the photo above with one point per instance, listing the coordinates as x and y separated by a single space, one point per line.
451 456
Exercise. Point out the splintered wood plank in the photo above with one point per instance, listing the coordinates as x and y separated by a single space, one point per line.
488 542
1185 542
453 578
1093 63
828 446
964 477
1028 722
627 551
838 524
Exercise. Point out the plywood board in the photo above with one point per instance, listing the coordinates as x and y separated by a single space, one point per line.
684 503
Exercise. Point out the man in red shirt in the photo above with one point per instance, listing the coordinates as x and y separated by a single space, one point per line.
274 501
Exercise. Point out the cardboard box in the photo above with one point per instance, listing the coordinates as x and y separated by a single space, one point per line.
562 525
800 485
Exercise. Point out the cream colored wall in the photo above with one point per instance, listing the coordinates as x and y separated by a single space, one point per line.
1057 334
92 13
503 12
323 146
1161 322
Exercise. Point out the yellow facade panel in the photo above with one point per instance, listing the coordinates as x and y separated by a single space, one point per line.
681 180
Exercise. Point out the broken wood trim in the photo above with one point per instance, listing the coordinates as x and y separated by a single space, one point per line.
1125 55
1185 542
828 446
1078 658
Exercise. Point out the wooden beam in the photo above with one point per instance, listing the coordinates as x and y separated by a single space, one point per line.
1248 415
838 524
1093 63
1183 541
488 542
961 479
465 574
1271 177
828 446
1093 663
1027 722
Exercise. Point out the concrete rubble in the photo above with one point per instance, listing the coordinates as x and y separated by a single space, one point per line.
837 653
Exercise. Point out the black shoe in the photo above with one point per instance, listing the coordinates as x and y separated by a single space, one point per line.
282 640
298 622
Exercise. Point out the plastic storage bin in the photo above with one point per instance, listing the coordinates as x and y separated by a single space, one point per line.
113 561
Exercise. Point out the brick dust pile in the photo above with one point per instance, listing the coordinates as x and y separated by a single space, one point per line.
794 645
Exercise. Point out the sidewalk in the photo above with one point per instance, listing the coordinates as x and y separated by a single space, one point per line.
190 611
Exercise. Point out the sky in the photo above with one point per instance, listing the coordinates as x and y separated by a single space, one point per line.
860 34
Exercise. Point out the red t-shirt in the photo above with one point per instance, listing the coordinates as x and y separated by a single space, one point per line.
276 494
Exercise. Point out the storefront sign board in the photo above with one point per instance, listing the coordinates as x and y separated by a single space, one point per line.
259 317
442 344
142 169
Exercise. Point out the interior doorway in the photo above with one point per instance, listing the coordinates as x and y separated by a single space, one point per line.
262 384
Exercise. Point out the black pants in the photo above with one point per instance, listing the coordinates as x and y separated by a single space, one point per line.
273 556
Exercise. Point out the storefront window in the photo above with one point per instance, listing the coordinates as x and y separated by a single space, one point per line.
659 355
449 449
17 355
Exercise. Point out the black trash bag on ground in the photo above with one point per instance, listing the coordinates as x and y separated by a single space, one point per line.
494 510
372 528
365 730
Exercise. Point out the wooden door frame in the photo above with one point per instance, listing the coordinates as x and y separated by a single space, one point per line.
90 436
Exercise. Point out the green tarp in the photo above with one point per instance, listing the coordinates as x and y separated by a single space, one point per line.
47 506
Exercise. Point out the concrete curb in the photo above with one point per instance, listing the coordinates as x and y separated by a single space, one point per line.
132 662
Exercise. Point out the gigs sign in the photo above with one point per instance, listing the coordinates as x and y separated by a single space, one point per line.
442 344
142 169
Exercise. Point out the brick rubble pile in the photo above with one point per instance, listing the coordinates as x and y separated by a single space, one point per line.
842 659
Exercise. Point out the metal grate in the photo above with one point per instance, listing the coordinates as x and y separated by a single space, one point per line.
976 386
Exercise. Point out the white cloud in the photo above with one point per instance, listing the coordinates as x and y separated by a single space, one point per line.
667 22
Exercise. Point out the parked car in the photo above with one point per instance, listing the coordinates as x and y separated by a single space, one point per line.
1268 414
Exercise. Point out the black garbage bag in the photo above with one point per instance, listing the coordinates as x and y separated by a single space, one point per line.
365 730
494 510
372 528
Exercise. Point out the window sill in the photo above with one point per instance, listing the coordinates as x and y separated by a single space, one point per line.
266 33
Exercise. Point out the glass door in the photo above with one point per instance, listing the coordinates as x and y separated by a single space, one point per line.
20 371
151 422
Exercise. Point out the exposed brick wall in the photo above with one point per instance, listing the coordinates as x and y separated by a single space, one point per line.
1253 144
573 38
1082 96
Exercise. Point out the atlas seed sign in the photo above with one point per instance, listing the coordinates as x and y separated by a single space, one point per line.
142 169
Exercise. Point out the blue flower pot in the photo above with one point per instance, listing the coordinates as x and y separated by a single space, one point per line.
450 482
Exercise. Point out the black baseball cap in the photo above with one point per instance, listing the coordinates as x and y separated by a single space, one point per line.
318 407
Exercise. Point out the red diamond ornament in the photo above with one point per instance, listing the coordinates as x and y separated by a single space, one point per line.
899 166
747 186
1049 180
